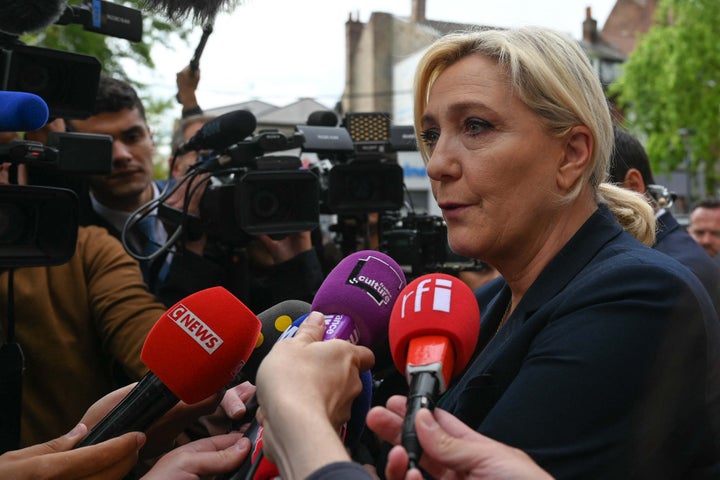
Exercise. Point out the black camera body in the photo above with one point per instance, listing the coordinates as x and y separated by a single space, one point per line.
365 176
274 198
260 187
419 244
250 193
39 223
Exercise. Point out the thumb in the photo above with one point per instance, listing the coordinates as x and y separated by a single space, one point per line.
60 444
446 441
312 328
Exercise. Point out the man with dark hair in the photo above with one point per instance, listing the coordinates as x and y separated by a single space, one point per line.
705 226
630 168
120 114
294 271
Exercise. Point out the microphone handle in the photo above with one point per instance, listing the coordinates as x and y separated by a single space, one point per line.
422 394
241 473
195 60
145 403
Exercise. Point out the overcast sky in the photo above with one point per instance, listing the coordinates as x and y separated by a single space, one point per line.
282 50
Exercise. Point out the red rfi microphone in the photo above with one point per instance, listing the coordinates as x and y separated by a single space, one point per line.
434 328
196 348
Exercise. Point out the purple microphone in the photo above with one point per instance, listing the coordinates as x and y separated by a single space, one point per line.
358 295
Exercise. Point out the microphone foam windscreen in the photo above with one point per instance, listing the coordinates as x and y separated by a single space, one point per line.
364 285
275 320
435 304
23 16
223 131
196 9
199 345
22 112
323 118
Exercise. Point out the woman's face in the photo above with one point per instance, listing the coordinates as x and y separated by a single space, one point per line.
492 164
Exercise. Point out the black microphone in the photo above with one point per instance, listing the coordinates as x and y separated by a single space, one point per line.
195 60
221 132
274 321
323 118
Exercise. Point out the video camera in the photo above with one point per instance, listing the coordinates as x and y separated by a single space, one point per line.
419 244
256 187
261 194
38 223
361 173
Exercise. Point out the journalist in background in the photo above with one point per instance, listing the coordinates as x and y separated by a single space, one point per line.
598 356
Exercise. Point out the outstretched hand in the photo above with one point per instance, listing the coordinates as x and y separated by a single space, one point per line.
305 388
201 458
451 449
57 460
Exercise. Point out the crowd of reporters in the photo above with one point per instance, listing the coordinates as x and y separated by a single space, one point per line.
598 357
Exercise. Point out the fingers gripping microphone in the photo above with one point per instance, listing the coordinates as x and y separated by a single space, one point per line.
358 295
351 433
194 350
433 331
22 112
221 132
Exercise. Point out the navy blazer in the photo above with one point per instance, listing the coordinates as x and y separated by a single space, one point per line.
608 368
673 240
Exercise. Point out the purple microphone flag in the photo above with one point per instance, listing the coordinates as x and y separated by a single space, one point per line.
363 286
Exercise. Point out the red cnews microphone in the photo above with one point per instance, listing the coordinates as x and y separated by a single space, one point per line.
434 327
194 350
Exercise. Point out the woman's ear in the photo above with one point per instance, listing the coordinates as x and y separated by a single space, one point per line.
577 155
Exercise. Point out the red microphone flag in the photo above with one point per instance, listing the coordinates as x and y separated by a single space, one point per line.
436 318
200 344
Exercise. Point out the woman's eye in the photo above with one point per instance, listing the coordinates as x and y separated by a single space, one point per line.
429 137
475 126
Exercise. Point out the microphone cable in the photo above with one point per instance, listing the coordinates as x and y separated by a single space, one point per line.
256 463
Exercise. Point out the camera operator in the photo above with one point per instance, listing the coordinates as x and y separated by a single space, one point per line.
261 272
81 326
121 114
291 269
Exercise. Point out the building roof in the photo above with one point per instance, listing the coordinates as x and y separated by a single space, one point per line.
256 107
294 114
627 20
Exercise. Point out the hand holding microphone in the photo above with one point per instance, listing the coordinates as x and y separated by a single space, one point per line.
356 298
300 408
434 328
194 350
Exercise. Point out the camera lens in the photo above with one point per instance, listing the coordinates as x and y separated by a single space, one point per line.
12 224
265 204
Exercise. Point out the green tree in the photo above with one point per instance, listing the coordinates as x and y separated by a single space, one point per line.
671 82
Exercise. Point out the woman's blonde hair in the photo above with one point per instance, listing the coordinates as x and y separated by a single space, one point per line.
549 73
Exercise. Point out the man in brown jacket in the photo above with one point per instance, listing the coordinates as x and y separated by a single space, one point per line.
81 326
